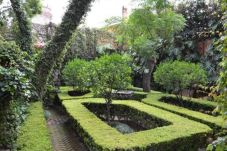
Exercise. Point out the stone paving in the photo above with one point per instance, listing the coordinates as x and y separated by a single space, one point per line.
63 137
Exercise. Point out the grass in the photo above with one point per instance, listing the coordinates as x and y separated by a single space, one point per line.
34 135
97 135
154 96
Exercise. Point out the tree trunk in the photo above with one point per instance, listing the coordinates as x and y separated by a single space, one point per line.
108 103
25 41
150 64
54 49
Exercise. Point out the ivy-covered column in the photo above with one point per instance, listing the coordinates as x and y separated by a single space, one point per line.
24 26
55 48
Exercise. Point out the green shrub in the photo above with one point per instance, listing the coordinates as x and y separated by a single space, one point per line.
15 91
214 122
34 135
76 74
110 72
192 105
176 76
181 134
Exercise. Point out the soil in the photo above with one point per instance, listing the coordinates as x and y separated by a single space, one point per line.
78 92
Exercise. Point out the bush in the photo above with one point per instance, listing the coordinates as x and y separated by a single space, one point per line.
76 74
176 76
109 73
15 91
153 99
178 135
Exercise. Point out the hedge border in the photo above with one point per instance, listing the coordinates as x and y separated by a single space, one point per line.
153 100
33 134
99 136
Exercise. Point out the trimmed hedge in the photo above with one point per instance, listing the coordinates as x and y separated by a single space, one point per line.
65 96
34 135
182 134
153 100
137 95
125 113
192 105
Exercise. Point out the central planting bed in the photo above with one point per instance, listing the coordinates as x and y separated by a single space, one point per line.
126 119
170 131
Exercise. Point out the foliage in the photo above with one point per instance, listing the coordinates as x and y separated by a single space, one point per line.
109 73
195 43
222 81
202 107
104 137
32 7
149 31
22 13
15 91
218 145
33 134
153 100
12 114
55 49
76 74
13 72
178 75
103 79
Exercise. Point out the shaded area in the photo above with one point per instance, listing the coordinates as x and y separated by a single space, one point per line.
126 119
63 137
195 106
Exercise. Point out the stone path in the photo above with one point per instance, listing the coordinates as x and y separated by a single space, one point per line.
63 137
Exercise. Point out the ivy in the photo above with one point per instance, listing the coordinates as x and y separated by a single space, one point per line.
25 41
15 91
55 48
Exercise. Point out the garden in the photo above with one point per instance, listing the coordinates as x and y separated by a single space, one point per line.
153 79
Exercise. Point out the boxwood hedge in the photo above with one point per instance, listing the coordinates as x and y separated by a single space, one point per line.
214 122
34 135
181 134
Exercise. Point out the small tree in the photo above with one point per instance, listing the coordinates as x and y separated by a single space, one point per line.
176 76
110 73
75 74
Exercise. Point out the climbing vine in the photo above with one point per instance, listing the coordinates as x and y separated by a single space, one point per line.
54 49
25 39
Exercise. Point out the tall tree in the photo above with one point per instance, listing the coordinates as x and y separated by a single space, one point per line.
54 49
149 31
195 43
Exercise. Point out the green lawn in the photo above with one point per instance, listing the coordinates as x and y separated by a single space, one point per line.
34 135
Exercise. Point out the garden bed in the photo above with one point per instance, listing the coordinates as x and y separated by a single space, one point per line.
153 100
78 92
192 105
129 95
125 119
99 136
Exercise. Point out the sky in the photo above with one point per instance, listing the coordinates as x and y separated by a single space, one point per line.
100 10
